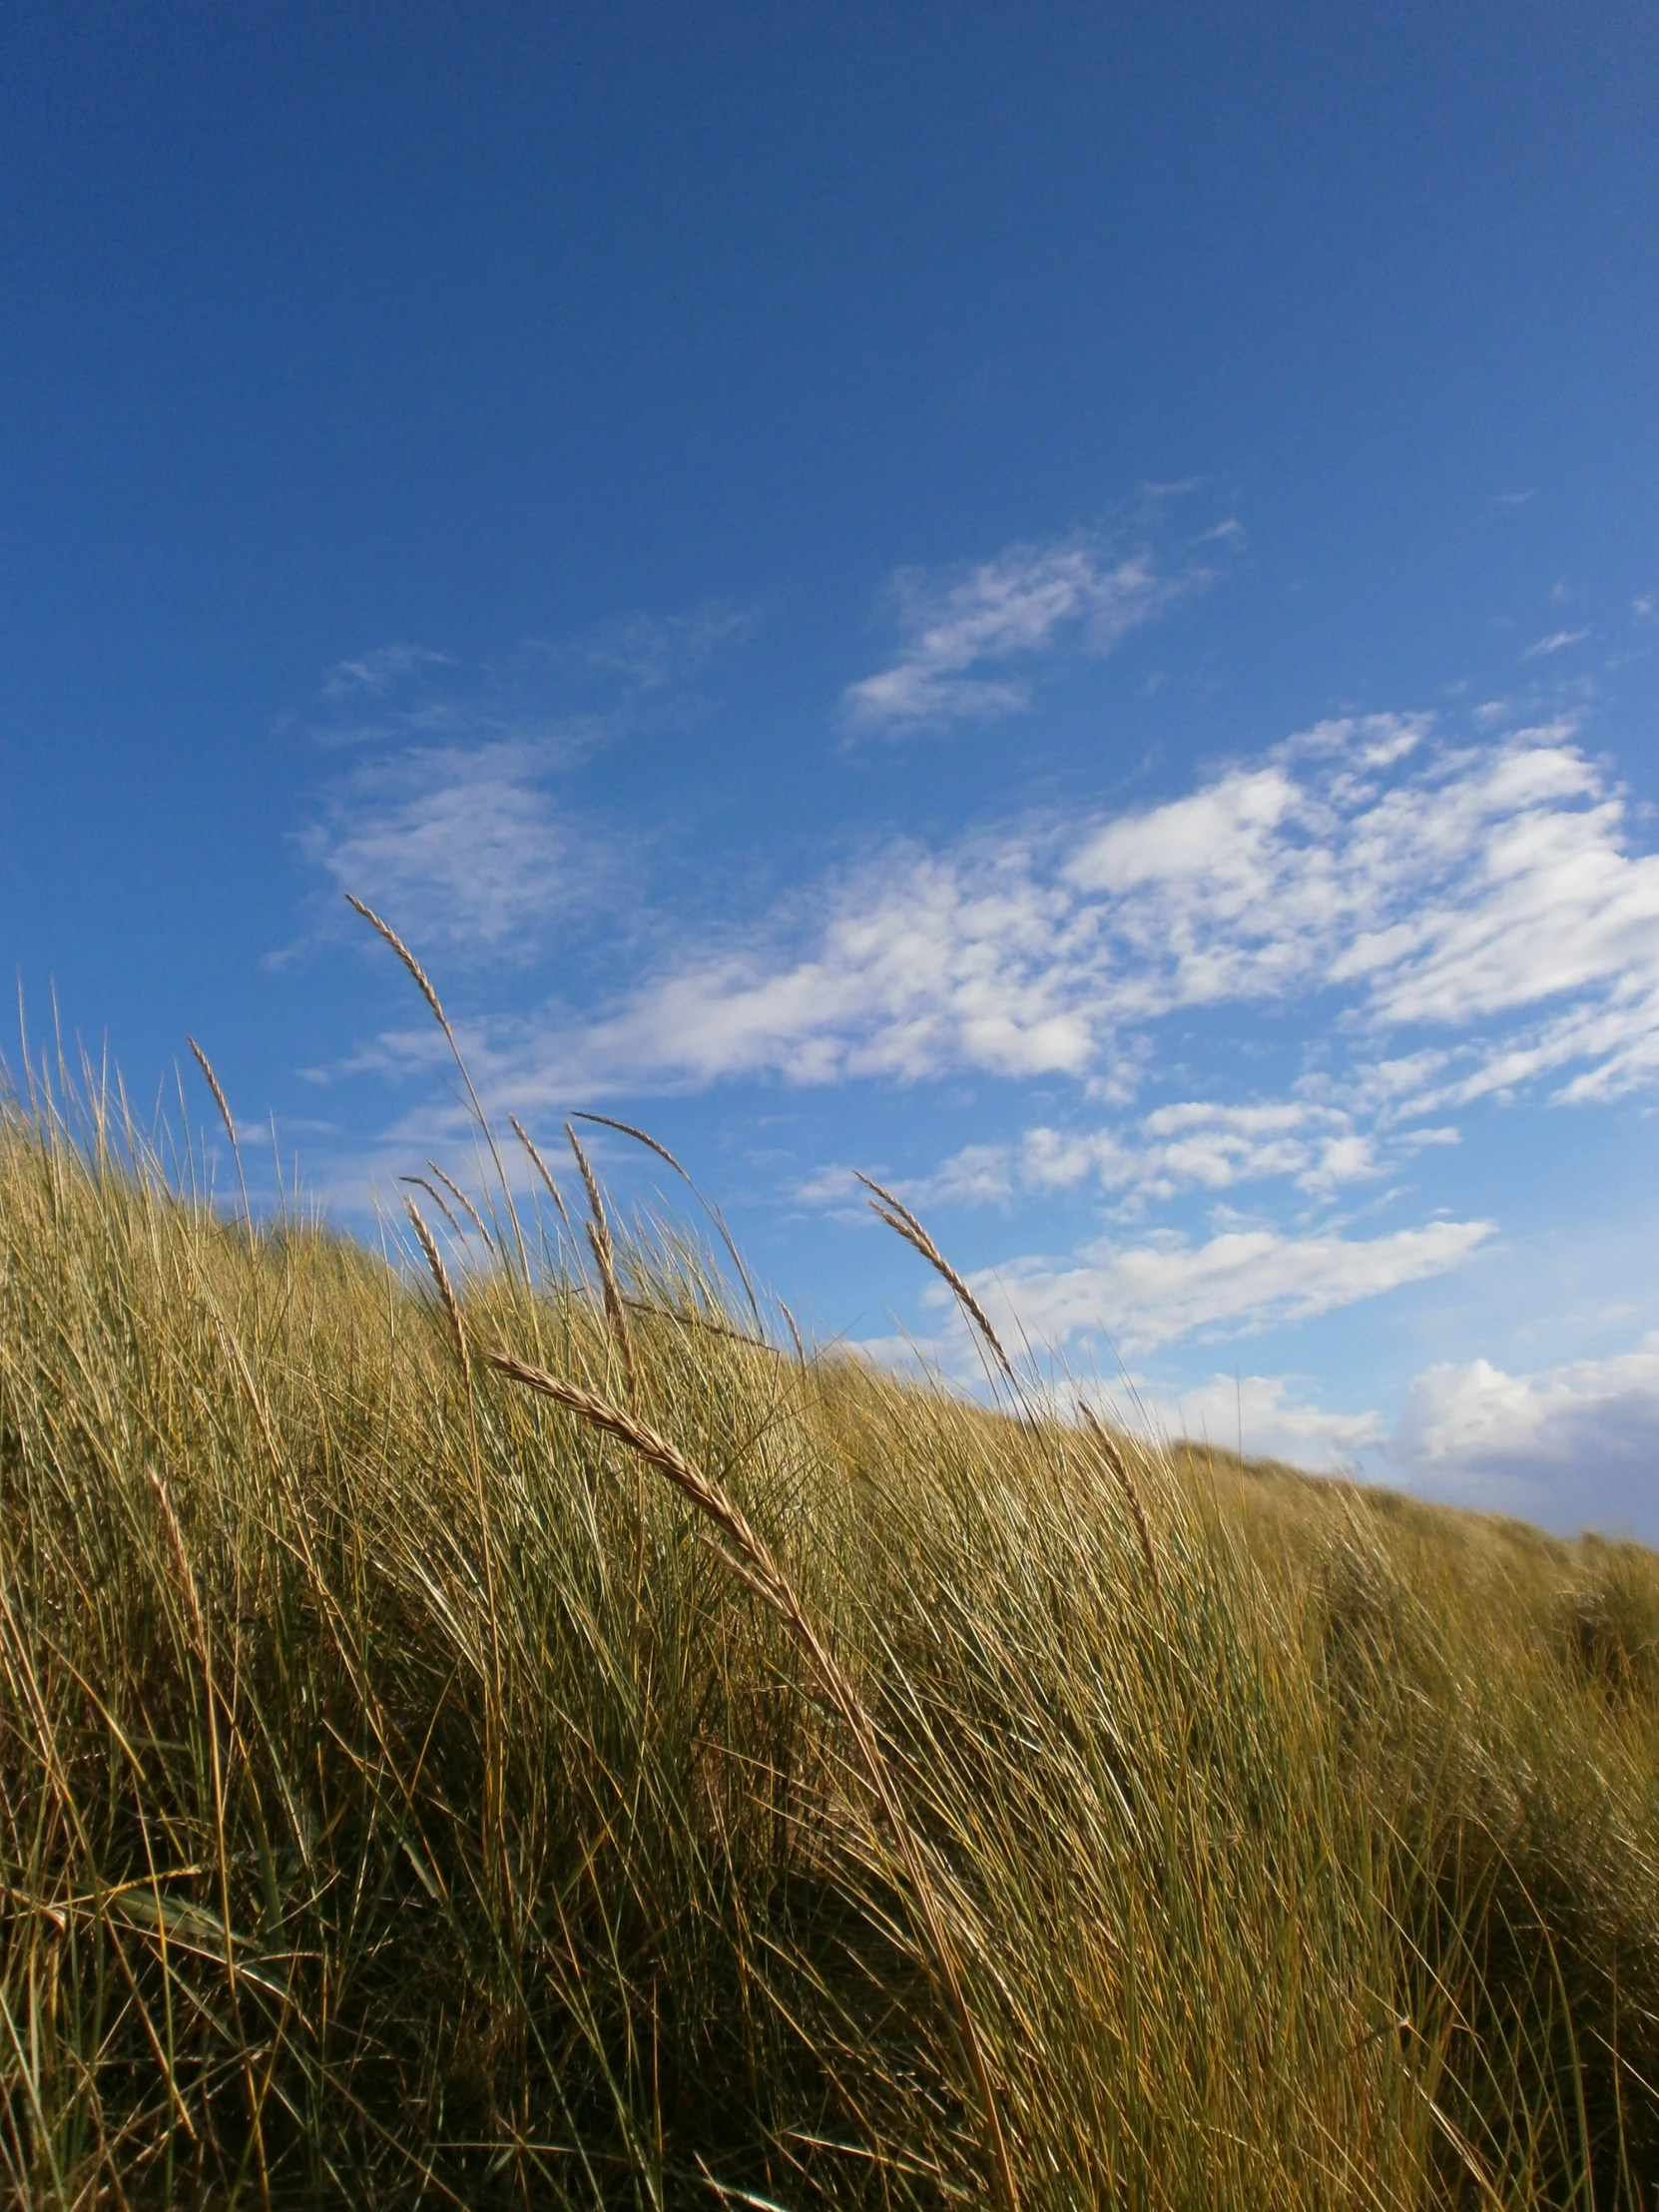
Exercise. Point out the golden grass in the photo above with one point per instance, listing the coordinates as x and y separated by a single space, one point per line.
897 1804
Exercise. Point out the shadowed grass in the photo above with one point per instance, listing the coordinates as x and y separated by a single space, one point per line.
399 1802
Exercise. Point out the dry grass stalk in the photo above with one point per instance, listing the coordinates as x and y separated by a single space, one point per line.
423 983
1126 1483
206 1065
223 1105
449 1183
615 1312
436 1195
445 1289
640 1136
590 1182
696 1321
490 1812
540 1165
205 1655
749 1560
604 1253
799 1348
898 1217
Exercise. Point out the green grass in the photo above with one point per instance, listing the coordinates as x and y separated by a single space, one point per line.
402 1800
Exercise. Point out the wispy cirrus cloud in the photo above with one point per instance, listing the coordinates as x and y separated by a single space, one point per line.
381 670
1558 642
971 637
454 813
653 653
468 845
574 689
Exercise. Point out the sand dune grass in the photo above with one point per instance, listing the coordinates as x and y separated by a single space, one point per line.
403 1801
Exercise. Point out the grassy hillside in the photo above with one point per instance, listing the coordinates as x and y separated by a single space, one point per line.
413 1790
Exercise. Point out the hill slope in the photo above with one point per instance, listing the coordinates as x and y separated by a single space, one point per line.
403 1798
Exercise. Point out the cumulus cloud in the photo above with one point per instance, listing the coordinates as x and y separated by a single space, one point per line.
1483 902
1203 1144
920 964
1274 1416
980 1174
977 1175
965 635
1574 1445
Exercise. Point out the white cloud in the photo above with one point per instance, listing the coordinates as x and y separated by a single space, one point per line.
1478 1415
835 1188
978 1175
1022 603
1216 1146
1192 1146
1206 1145
1053 1159
1271 1415
1576 1444
1149 1294
920 964
1454 923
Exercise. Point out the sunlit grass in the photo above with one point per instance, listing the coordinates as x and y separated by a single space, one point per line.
408 1794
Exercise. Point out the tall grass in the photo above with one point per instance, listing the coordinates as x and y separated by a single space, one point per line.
406 1796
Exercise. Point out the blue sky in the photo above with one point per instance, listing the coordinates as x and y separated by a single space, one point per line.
1060 606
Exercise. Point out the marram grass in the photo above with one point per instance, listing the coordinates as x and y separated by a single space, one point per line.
413 1792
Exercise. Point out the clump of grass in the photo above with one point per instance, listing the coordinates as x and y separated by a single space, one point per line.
402 1802
749 1560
